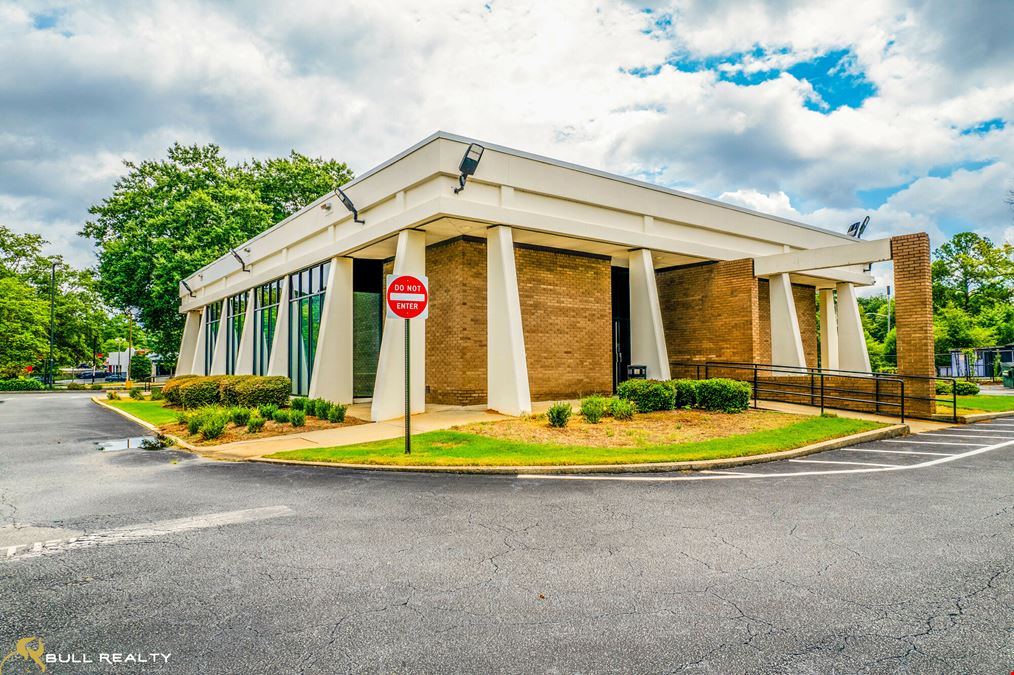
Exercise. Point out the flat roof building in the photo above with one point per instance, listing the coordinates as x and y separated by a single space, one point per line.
546 280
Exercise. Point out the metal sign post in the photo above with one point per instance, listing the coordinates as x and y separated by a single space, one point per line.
407 298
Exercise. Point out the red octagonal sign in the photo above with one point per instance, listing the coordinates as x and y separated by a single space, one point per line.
408 297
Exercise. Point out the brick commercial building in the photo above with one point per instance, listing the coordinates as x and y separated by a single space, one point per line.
546 281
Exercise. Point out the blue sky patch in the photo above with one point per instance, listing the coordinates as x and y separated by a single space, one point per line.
983 128
946 170
836 79
876 197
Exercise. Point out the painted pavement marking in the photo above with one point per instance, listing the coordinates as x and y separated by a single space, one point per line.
898 452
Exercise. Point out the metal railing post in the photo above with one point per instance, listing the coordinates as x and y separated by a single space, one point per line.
876 395
822 393
706 366
755 385
954 399
811 387
903 401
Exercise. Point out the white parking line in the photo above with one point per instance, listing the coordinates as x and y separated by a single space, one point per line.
937 435
898 452
754 476
829 461
963 445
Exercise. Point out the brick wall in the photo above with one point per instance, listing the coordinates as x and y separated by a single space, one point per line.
566 316
914 313
806 314
456 328
711 312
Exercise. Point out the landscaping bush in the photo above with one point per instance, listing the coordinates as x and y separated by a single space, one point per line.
281 416
137 393
719 393
310 407
256 391
240 416
21 384
194 423
199 392
267 411
943 387
684 393
298 403
622 409
171 390
255 425
593 408
182 417
75 386
964 388
297 418
156 394
559 414
323 408
337 412
112 395
228 392
213 427
648 395
95 387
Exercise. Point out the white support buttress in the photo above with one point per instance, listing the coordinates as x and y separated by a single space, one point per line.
389 389
244 355
332 366
197 365
828 330
647 336
220 355
278 359
786 342
188 345
507 385
852 352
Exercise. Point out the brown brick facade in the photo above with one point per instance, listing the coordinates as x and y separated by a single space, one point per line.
566 316
711 312
806 314
913 302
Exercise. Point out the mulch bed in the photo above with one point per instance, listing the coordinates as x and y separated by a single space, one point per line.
271 428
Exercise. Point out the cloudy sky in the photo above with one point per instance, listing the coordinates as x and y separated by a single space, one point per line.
819 111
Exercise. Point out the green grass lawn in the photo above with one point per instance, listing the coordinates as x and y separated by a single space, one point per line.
150 411
456 448
978 403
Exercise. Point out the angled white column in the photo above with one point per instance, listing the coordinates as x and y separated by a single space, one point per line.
852 352
220 355
389 389
507 385
647 336
332 366
197 365
244 355
278 360
188 345
828 330
786 342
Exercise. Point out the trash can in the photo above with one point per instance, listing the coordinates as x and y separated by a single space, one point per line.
637 372
1008 376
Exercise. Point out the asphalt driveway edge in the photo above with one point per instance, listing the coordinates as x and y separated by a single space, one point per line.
654 467
147 425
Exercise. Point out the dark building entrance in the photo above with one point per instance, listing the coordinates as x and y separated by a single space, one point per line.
621 323
367 323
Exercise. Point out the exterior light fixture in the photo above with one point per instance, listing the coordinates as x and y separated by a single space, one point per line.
349 205
856 229
236 256
468 165
189 290
326 206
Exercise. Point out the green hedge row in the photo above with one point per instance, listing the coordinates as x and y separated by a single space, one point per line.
962 387
717 393
20 384
248 391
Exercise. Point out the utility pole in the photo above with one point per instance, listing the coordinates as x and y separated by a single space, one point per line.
130 346
52 323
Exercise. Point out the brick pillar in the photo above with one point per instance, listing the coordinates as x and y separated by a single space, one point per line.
914 316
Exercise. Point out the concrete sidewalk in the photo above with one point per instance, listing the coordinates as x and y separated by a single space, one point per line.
435 418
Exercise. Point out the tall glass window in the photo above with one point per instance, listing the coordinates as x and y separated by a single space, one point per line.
306 302
235 315
266 300
213 316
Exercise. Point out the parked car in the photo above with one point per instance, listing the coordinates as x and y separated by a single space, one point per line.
97 375
116 377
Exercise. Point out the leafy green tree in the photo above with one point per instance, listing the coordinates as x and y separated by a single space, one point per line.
973 272
954 328
168 218
999 319
140 367
23 320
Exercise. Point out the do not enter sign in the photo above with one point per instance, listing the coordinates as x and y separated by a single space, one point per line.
407 297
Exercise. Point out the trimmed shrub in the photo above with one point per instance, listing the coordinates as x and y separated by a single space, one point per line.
228 392
622 409
298 403
257 391
267 411
171 389
156 394
648 395
297 418
182 417
323 408
281 416
199 392
559 414
337 412
137 393
255 425
310 407
194 424
723 395
943 387
213 427
21 384
240 416
75 386
963 388
95 387
593 408
112 395
684 393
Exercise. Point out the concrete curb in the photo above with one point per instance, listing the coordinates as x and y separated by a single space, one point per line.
699 465
983 417
147 425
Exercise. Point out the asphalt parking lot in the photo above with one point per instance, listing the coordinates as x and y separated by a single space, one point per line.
902 562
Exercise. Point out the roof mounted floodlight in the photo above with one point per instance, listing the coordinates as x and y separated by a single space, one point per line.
856 229
236 256
189 290
468 165
349 205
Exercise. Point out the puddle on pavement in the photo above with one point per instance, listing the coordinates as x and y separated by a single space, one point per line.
132 443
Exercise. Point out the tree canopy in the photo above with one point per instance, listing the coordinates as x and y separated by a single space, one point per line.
165 219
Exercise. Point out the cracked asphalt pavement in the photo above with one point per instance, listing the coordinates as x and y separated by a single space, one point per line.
904 571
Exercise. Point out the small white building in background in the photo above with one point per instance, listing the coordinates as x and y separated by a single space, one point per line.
118 362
